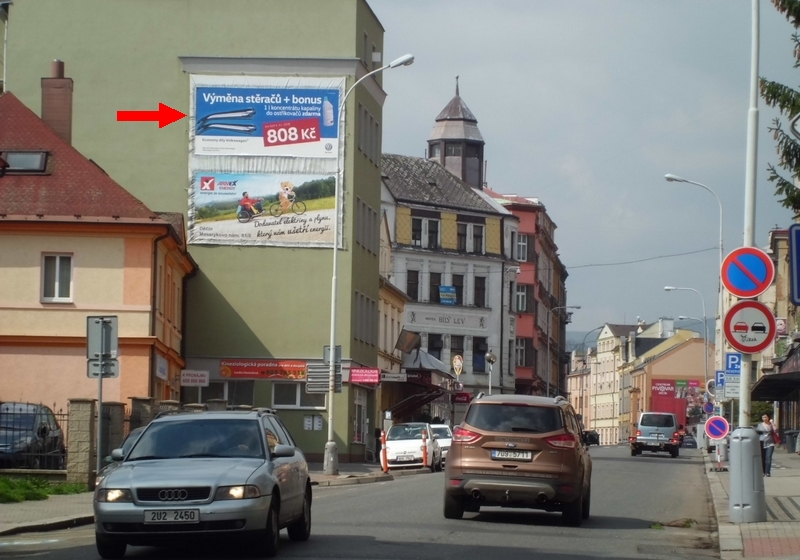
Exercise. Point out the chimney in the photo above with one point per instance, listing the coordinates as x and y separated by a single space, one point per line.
57 101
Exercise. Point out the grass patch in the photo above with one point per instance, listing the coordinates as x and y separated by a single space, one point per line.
682 523
657 526
13 490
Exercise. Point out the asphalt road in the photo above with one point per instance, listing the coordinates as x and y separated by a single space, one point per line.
402 519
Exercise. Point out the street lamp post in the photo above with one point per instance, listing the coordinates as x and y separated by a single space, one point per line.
549 321
703 301
720 304
331 457
705 326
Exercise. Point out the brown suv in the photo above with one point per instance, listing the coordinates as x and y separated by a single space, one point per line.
519 451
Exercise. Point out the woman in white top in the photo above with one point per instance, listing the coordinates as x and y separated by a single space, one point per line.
765 431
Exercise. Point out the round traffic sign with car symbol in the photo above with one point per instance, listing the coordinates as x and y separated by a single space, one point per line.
749 327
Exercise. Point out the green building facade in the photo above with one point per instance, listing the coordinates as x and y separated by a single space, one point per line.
262 308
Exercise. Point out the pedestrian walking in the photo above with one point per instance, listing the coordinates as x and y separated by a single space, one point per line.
767 434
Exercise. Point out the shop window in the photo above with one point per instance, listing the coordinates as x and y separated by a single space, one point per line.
360 421
293 395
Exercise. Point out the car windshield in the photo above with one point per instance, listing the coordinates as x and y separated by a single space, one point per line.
199 438
405 431
443 433
657 421
17 421
514 418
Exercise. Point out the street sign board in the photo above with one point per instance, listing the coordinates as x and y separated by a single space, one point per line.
326 355
194 378
749 326
458 365
708 408
98 327
747 272
399 377
733 362
719 379
109 367
794 263
717 427
732 383
318 379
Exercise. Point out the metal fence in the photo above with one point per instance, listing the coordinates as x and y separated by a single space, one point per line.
35 436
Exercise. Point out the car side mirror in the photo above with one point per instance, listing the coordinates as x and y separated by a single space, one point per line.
117 455
435 436
42 431
283 451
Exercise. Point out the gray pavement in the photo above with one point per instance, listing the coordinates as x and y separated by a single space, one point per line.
779 536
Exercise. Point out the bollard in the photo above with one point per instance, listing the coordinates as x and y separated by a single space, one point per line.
424 448
384 454
747 500
724 449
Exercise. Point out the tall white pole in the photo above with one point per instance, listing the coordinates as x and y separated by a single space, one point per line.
750 199
331 456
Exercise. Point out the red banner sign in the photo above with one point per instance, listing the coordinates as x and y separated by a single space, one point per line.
365 375
263 369
297 131
462 398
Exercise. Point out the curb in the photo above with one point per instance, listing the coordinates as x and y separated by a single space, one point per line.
729 535
55 524
368 479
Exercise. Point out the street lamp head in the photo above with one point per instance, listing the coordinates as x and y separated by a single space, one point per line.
405 60
669 288
683 317
674 178
490 357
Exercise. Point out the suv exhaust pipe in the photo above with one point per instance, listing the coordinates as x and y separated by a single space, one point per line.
541 498
476 494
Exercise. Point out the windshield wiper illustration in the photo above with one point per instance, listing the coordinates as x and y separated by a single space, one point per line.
210 121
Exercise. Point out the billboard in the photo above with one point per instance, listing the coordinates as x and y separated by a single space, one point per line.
266 116
263 369
684 397
278 209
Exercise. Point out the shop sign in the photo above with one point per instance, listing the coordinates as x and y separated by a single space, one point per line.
365 375
423 377
401 377
162 367
263 369
194 378
462 398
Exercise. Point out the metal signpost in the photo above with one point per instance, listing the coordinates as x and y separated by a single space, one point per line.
102 349
717 429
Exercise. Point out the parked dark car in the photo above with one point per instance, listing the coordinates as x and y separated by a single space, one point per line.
30 437
592 437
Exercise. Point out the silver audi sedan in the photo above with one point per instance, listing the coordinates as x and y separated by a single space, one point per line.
207 475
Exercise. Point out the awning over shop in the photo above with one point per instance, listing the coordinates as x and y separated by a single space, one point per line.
414 402
775 387
420 359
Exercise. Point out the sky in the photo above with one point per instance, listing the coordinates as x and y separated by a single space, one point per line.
586 105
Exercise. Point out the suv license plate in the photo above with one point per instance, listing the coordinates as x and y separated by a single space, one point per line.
511 454
172 516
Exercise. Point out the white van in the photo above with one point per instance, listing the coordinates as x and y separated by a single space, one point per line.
657 432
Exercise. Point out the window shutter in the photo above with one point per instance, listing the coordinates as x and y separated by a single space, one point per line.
529 305
531 249
529 352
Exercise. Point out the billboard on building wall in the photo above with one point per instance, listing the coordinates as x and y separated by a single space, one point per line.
267 116
243 368
279 209
684 397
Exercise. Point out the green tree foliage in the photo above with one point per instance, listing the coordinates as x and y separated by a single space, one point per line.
788 101
758 409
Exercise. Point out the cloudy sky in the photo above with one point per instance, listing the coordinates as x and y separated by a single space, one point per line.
586 105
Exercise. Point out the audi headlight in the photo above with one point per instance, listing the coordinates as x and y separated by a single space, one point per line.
237 492
114 495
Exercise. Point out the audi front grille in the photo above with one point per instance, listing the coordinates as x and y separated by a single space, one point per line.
173 494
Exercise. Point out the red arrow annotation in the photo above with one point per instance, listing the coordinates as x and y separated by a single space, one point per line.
164 116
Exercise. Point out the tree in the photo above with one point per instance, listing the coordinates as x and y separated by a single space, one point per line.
788 101
758 409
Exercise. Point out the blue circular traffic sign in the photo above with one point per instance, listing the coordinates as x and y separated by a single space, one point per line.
747 272
708 408
717 427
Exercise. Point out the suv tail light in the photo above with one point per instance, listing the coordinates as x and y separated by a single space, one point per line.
638 433
676 435
568 441
462 435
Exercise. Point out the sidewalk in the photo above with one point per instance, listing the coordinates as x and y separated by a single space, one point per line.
779 536
60 512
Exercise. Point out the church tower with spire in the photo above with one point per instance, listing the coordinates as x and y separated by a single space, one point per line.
456 143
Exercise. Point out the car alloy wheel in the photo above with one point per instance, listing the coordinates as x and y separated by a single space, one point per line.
300 530
271 538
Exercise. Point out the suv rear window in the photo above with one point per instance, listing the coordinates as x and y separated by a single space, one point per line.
657 421
514 418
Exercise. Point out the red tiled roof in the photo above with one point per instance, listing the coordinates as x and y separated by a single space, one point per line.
73 185
511 198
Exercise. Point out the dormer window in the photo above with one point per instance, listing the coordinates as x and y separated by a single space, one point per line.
24 162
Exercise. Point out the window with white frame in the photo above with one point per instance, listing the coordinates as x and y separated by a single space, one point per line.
522 298
522 247
360 421
56 278
520 352
293 395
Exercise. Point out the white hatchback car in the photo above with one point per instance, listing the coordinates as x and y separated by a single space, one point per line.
404 446
444 437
